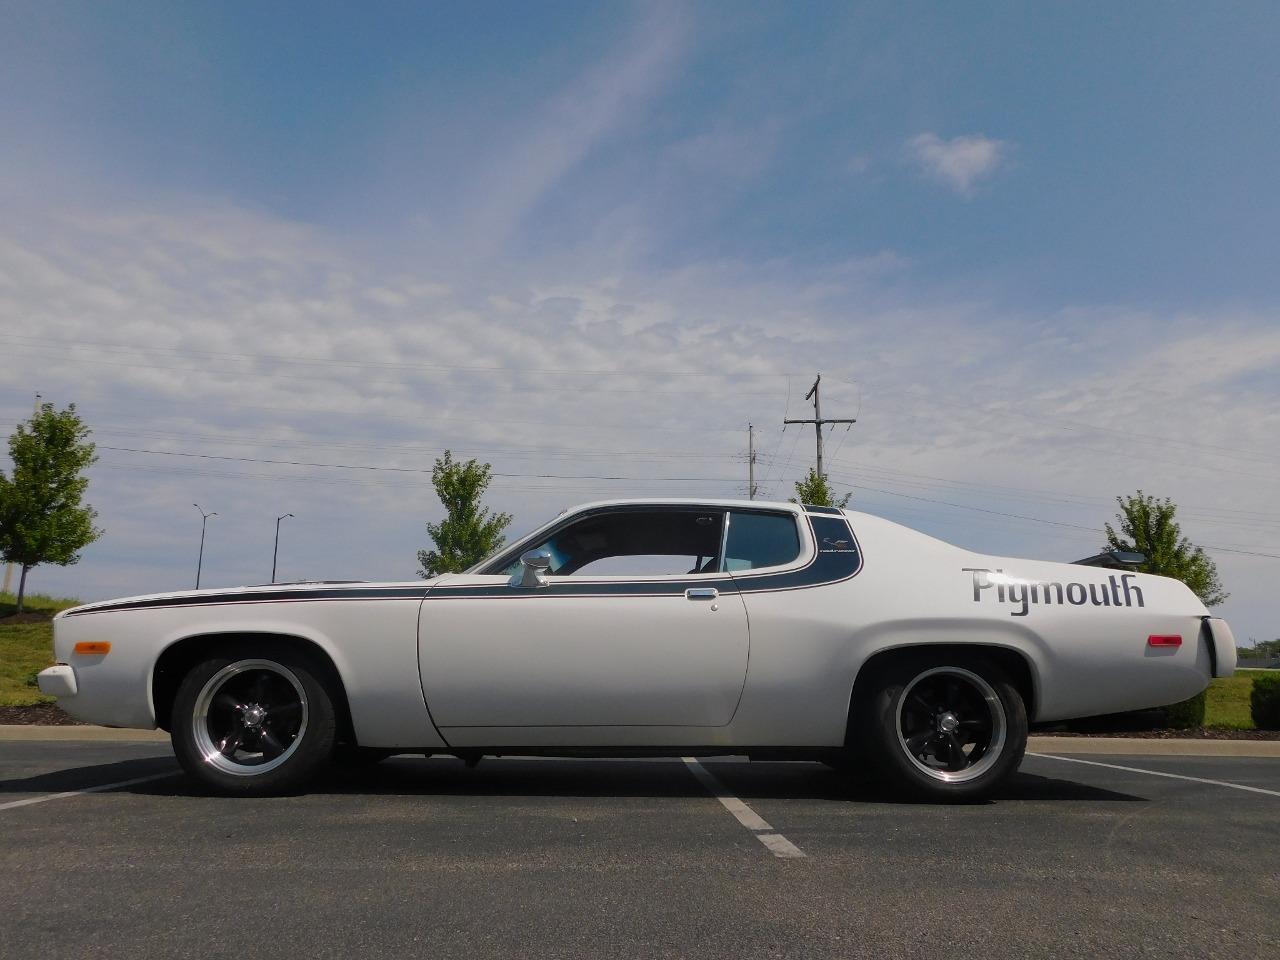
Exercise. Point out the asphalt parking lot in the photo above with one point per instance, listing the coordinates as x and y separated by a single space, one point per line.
613 858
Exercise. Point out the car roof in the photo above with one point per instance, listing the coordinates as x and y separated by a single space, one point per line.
686 501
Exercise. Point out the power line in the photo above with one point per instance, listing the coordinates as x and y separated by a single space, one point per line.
414 470
1056 523
790 455
576 425
548 476
1029 493
431 448
770 462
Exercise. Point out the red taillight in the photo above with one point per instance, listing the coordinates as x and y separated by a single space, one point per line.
1164 640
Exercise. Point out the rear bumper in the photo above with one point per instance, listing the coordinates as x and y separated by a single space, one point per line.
1222 646
58 681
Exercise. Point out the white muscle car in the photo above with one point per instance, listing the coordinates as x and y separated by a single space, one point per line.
649 627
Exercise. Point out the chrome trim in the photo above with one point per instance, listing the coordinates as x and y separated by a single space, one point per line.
724 541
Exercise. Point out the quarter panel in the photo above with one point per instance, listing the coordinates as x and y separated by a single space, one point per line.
808 645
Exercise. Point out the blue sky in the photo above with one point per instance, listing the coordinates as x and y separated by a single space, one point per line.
1030 246
1134 133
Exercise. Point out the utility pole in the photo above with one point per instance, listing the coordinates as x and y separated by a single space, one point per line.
276 552
751 462
817 421
204 519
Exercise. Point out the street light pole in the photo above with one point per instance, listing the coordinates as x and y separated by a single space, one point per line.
276 552
204 519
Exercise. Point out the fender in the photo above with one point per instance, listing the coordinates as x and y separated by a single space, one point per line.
1015 637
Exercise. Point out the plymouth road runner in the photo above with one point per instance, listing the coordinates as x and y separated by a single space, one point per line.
649 627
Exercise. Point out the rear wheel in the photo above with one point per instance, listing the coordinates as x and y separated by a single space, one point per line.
253 721
944 728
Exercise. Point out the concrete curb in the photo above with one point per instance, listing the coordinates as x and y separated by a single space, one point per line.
1123 746
1142 746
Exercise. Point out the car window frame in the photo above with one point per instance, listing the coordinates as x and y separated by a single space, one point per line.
512 554
804 533
547 531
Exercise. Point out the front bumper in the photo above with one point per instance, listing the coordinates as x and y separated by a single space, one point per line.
58 681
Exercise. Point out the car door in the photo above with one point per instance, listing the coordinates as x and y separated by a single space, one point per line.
589 649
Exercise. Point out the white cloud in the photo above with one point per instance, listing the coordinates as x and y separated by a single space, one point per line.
196 308
608 95
959 162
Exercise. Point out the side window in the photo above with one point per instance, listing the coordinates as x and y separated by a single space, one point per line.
639 543
760 540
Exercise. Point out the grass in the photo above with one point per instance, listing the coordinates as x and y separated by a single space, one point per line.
1227 705
26 649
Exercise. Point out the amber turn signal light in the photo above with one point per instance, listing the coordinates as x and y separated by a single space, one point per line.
1164 640
93 647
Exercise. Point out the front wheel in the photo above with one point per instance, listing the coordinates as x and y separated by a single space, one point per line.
253 721
944 728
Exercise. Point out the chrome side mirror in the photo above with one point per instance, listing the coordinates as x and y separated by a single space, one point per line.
533 568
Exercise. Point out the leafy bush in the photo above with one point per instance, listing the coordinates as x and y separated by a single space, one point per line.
1186 714
1264 702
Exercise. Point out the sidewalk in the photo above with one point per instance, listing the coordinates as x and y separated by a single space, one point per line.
33 731
1078 745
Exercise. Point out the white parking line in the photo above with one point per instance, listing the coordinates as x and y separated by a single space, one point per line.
776 843
75 793
1160 773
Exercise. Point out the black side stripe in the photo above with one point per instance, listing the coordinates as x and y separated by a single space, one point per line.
266 596
837 558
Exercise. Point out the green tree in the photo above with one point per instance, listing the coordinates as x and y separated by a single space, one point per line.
1148 525
42 518
469 532
816 489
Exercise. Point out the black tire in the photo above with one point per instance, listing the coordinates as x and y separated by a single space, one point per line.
916 708
250 706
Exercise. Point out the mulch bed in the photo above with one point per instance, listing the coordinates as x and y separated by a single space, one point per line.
45 714
28 617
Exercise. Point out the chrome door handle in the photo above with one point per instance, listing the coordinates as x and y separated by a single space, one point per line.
701 593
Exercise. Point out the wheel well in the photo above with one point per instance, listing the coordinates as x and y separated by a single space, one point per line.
177 660
1013 662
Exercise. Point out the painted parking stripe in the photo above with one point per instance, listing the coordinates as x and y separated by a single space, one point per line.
1160 773
76 793
775 842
